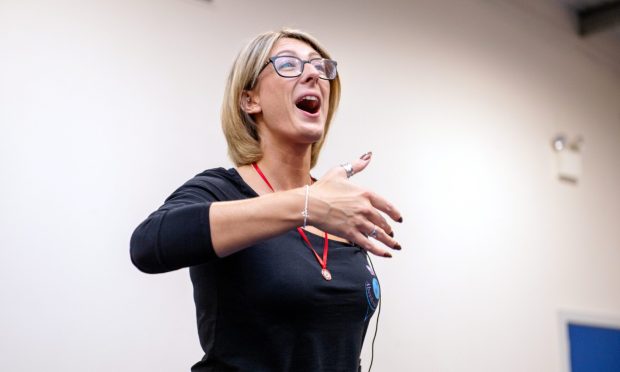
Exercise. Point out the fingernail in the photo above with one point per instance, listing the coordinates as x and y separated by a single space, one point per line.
400 220
366 156
391 234
398 247
387 254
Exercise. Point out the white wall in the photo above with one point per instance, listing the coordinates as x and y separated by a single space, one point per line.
107 106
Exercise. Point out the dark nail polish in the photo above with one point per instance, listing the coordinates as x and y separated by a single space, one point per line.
391 234
366 156
400 220
387 254
398 247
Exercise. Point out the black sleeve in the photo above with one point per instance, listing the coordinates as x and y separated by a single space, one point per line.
176 235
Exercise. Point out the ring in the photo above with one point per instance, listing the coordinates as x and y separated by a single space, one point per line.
373 233
349 169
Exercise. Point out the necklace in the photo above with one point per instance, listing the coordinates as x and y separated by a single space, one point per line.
322 261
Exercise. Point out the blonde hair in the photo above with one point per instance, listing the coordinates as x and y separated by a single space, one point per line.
238 126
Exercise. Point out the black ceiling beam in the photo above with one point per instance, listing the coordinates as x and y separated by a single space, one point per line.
598 17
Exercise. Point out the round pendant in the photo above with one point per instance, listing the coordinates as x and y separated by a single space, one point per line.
326 274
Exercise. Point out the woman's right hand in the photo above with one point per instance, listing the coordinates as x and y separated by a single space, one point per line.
344 209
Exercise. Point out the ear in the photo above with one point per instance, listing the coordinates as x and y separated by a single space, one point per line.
250 102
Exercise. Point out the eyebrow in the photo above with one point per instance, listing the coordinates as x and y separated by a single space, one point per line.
290 52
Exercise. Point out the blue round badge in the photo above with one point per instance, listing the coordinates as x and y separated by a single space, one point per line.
375 288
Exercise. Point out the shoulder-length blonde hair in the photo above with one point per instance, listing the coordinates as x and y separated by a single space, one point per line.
239 127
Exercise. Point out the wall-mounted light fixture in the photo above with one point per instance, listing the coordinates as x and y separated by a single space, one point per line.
568 157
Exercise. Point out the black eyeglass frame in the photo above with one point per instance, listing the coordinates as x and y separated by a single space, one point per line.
303 65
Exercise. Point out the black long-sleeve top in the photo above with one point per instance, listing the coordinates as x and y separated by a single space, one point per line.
267 307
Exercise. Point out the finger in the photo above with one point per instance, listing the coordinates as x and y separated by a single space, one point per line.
365 243
382 236
361 163
357 165
385 206
376 218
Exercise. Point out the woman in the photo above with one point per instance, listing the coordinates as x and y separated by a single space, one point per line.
277 259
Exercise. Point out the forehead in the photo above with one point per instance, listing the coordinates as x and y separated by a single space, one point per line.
293 47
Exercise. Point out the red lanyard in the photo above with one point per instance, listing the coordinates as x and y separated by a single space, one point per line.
323 262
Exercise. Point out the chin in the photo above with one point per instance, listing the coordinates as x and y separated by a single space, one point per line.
309 138
311 132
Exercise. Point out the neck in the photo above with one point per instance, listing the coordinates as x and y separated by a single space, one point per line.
286 168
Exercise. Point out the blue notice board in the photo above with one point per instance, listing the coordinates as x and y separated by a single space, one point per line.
594 348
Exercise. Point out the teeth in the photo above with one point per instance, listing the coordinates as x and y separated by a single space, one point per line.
309 103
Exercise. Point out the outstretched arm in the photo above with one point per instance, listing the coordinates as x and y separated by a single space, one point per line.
191 228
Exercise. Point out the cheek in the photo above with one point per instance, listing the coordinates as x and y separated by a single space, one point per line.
274 97
273 105
326 97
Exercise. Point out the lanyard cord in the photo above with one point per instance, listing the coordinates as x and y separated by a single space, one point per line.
322 261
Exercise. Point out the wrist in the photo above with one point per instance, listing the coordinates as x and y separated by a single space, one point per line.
304 212
317 209
296 206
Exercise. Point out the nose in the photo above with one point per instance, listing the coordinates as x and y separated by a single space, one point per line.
310 72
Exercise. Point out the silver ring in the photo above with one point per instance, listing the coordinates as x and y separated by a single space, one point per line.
349 169
373 233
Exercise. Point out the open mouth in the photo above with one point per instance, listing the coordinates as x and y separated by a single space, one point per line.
309 104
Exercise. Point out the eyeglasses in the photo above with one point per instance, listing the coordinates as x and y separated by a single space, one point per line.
290 67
